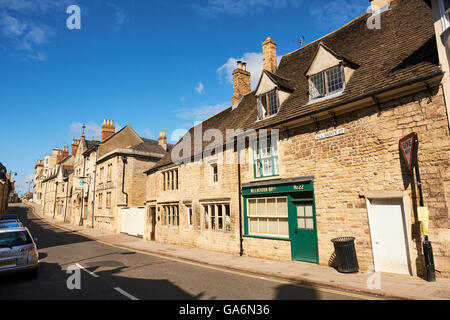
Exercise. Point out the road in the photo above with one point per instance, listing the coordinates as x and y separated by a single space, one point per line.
115 274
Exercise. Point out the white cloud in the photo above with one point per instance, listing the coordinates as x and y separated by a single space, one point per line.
241 8
254 66
200 88
21 25
93 131
338 12
201 113
177 135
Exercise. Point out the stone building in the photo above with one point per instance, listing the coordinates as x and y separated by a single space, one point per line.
81 194
335 111
121 160
50 181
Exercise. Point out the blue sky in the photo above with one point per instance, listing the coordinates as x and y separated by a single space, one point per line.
155 65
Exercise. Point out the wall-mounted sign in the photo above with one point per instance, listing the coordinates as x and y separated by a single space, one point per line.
422 213
307 186
330 134
408 148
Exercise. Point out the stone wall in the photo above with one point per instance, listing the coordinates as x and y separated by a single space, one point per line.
367 158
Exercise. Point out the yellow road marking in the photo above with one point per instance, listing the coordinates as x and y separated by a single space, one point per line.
286 282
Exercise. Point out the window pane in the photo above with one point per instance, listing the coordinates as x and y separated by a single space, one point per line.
300 211
284 227
273 226
262 207
273 102
253 225
335 79
263 226
301 223
309 211
309 223
271 207
317 86
251 207
282 207
267 167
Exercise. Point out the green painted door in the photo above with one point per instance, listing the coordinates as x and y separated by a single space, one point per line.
302 218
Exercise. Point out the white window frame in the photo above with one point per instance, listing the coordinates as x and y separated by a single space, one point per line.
249 217
324 74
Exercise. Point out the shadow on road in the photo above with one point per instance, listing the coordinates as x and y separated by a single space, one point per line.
47 235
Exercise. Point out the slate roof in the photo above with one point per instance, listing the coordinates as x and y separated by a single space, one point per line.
403 50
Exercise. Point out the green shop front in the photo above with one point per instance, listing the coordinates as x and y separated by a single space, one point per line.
283 209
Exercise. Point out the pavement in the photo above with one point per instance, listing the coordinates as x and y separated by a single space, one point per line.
380 284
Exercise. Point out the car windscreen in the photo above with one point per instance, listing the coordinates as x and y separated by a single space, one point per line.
14 239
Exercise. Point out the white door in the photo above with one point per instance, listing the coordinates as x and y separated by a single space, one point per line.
133 221
389 235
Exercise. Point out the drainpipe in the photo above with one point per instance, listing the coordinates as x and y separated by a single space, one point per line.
82 194
54 205
67 197
241 238
124 160
45 198
95 189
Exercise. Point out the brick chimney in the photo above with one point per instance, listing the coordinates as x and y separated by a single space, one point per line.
270 55
162 140
62 154
74 147
241 82
108 129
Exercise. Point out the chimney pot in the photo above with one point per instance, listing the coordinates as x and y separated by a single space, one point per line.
162 140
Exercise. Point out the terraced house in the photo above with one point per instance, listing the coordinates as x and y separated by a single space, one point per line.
335 111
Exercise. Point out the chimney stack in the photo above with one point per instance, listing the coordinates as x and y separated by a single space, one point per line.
162 140
62 154
270 55
74 147
108 129
241 82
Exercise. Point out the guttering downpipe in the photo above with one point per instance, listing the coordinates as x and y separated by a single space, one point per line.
95 189
241 238
124 160
54 205
67 197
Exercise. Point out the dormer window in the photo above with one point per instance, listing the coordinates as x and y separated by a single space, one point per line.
326 82
268 104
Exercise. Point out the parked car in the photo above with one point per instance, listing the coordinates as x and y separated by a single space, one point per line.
18 251
11 224
10 217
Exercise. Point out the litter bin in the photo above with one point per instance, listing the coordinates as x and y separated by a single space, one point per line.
346 260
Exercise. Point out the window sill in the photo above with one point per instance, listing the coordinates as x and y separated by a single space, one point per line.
326 97
267 237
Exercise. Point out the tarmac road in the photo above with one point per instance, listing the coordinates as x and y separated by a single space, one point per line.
108 273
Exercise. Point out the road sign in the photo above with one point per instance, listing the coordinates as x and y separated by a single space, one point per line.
408 147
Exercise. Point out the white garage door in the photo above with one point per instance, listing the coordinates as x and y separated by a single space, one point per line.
133 221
